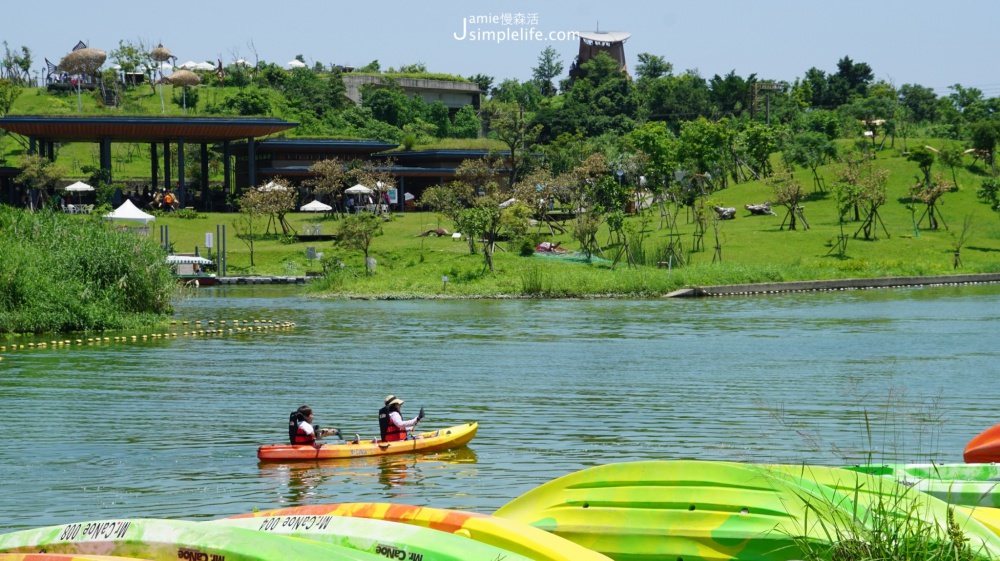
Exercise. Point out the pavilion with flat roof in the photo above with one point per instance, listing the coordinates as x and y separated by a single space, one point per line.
43 132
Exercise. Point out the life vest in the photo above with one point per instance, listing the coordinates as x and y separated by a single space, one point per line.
394 433
383 421
296 435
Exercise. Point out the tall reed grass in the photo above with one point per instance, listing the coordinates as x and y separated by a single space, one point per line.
62 273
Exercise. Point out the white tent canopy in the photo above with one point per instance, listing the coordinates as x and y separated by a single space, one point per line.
315 206
187 260
272 186
128 211
296 63
358 189
79 186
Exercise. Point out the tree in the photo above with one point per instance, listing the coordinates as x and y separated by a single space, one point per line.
730 94
9 92
985 136
852 79
660 147
811 150
921 101
874 113
603 100
472 202
651 67
38 175
508 124
704 149
277 199
753 147
549 67
132 57
788 193
484 82
527 94
928 193
951 156
466 124
16 66
357 231
252 208
328 178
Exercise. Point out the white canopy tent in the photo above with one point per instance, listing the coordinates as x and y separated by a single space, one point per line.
358 189
272 186
187 260
315 206
78 187
129 211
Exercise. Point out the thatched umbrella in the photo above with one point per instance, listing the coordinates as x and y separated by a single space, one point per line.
185 79
161 54
84 62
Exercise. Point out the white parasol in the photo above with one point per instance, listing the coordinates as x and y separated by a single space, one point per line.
358 189
315 206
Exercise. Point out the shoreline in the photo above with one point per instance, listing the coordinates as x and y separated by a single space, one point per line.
833 284
716 291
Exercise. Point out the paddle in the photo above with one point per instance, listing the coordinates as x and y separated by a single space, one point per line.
327 432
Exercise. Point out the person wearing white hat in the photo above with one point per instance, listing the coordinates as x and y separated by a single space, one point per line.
397 428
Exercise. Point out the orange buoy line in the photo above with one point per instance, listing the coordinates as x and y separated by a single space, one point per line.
179 328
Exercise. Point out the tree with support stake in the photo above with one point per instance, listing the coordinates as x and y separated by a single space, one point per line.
873 196
929 194
717 256
788 193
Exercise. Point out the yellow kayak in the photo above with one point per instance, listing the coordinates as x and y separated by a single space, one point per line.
432 441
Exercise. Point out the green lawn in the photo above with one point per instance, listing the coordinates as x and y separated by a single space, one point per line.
752 248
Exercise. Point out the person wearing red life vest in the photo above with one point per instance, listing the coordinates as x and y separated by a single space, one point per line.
397 428
301 430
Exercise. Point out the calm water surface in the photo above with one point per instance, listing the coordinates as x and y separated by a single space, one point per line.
169 429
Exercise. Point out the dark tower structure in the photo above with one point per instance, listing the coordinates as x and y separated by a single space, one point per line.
593 42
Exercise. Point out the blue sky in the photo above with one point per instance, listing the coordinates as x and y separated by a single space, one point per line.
931 43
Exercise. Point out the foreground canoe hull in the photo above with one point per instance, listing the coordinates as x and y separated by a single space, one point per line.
434 441
958 484
518 538
394 540
721 511
172 540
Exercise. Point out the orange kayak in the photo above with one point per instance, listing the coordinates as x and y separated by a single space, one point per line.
433 441
984 448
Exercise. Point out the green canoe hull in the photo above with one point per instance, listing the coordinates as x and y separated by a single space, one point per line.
172 540
390 539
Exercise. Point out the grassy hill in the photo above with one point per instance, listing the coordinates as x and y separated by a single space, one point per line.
748 248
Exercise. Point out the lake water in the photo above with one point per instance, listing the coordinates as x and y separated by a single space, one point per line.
169 428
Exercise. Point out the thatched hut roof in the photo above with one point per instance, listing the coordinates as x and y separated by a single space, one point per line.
83 61
161 54
184 78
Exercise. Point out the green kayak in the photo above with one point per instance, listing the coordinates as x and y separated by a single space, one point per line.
393 540
719 511
959 484
172 540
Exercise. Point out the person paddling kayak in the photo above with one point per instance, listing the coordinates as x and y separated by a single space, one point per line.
301 430
395 428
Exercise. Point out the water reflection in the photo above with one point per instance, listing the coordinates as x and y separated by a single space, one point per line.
393 476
